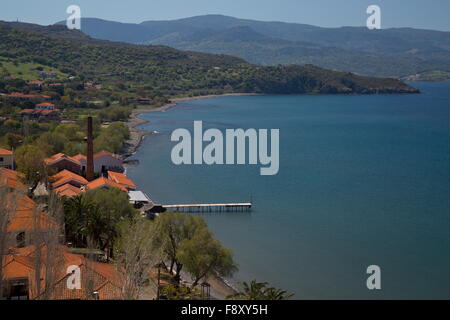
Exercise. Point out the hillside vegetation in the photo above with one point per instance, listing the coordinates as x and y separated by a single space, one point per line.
158 70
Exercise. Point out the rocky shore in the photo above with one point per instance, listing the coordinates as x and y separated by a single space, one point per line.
137 135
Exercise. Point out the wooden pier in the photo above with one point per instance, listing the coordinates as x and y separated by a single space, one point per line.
210 207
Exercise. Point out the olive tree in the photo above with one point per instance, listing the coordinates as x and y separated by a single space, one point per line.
204 256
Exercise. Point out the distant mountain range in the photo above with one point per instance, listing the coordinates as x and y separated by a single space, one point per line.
395 52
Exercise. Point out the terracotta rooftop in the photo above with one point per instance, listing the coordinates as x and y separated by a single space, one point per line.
121 179
45 104
97 155
106 153
79 157
27 111
68 190
103 182
21 202
103 278
20 95
11 179
64 177
46 112
31 220
5 152
58 157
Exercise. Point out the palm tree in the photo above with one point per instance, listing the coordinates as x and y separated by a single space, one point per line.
259 291
252 291
277 294
76 213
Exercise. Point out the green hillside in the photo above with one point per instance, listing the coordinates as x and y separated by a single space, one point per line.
158 70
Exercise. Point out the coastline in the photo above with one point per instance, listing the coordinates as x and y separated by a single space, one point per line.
220 288
137 135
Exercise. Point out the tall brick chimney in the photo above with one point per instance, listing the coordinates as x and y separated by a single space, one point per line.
90 151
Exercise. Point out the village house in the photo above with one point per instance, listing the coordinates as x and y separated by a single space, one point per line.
48 115
104 161
60 162
103 183
66 177
43 112
6 159
68 191
12 180
57 264
25 222
36 84
98 281
28 97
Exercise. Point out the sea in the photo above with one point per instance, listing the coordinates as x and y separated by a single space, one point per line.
364 180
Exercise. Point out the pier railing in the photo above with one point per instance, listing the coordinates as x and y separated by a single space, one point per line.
210 207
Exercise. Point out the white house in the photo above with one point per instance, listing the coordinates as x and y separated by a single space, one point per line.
104 161
6 159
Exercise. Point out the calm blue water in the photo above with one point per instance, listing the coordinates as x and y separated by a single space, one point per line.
363 180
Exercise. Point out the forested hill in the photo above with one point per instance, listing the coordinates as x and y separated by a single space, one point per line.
158 70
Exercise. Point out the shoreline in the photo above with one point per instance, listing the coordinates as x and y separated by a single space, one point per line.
138 135
220 288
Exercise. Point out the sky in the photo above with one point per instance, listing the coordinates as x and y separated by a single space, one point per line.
426 14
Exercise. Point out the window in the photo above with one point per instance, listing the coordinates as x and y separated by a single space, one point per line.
1 159
20 240
16 289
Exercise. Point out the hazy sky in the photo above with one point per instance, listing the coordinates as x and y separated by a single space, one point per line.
429 14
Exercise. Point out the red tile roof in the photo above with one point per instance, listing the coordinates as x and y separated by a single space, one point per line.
68 190
5 152
28 220
11 179
79 157
67 174
106 153
27 111
102 183
45 104
104 278
58 157
121 179
47 112
26 96
21 95
66 177
24 203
